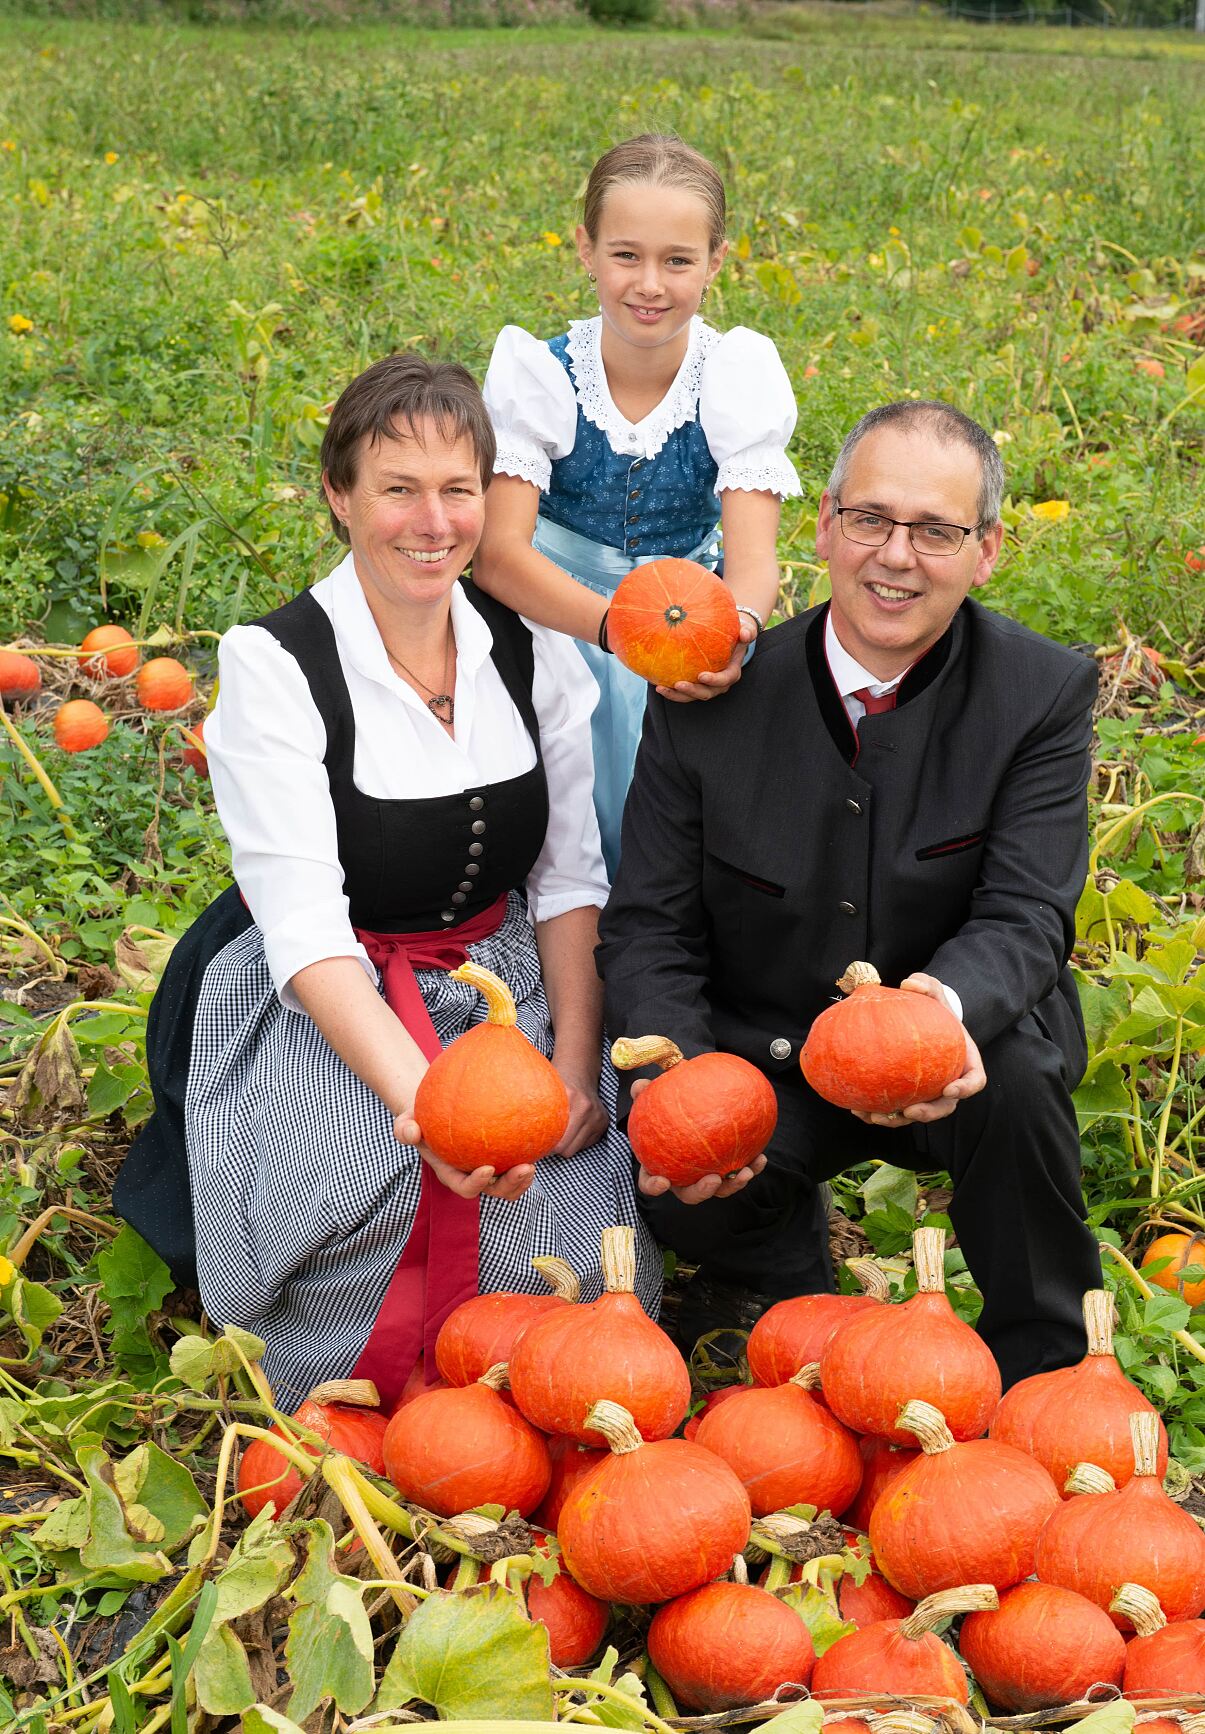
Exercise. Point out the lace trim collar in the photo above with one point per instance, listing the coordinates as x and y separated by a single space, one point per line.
679 405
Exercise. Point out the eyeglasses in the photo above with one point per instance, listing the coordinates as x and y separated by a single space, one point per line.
873 530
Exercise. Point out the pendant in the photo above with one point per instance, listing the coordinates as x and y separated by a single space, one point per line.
436 703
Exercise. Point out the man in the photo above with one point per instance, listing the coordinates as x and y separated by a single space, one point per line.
898 777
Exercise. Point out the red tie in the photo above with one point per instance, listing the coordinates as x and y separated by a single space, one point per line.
875 704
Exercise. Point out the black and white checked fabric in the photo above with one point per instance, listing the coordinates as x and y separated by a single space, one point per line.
304 1198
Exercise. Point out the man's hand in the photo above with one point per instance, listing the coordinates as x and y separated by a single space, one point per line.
710 1186
970 1083
587 1116
711 685
513 1184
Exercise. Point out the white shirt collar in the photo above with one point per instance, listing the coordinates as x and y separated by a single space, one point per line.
361 643
679 405
849 675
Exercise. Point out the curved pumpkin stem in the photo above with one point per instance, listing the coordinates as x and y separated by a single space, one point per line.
929 1426
361 1393
926 1616
498 997
616 1425
929 1256
1098 1321
872 1278
619 1260
560 1276
807 1378
1140 1607
1144 1431
632 1051
1088 1478
859 975
496 1377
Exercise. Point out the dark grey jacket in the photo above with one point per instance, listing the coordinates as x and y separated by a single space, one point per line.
758 861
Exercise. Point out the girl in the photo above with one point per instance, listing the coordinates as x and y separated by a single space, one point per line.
616 439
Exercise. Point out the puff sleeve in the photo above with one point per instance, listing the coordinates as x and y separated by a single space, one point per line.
531 404
747 411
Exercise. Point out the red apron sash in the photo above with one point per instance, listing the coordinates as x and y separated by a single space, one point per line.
439 1266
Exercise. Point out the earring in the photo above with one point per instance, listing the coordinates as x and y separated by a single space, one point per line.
703 296
592 277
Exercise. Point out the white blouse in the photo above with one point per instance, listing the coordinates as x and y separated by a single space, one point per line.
734 384
266 742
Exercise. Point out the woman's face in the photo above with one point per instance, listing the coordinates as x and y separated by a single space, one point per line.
414 515
652 258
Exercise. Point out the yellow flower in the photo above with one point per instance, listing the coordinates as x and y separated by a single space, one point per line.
550 238
8 144
1051 511
8 1271
19 325
110 157
150 539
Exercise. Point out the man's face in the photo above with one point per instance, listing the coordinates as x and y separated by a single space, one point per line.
891 603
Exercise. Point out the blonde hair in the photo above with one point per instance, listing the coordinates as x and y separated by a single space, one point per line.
656 159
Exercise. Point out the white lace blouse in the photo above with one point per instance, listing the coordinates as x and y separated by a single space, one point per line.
734 384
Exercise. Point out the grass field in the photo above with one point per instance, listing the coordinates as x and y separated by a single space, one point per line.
204 233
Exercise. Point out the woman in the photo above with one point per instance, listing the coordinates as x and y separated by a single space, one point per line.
403 770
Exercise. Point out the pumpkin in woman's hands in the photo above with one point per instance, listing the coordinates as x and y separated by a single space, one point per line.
490 1099
709 1115
672 620
882 1048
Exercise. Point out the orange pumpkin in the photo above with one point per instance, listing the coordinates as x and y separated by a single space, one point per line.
1186 1252
344 1413
483 1330
881 1048
121 657
1043 1647
671 620
452 1450
164 684
20 676
793 1333
491 1099
902 1656
727 1645
575 1620
785 1447
709 1115
80 724
197 757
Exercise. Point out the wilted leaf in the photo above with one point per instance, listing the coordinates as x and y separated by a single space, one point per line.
110 1544
199 1361
799 1719
65 1528
1194 856
51 1080
472 1655
221 1673
819 1615
262 1720
1115 1718
162 1487
329 1652
140 962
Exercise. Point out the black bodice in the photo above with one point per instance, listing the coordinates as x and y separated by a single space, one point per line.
411 866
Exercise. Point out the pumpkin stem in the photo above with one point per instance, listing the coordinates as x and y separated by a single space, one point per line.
496 1377
1140 1607
499 1000
807 1378
615 1424
929 1426
631 1051
362 1393
926 1616
859 975
1098 1320
561 1278
1088 1478
740 1571
872 1278
1144 1431
619 1260
929 1256
903 1722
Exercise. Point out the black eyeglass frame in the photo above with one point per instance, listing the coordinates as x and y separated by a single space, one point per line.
904 524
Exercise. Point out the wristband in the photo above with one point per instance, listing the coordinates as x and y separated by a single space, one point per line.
743 608
603 641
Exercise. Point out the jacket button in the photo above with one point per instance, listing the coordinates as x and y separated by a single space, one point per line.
635 494
457 898
780 1048
448 915
472 869
476 848
848 908
854 806
465 884
478 827
476 804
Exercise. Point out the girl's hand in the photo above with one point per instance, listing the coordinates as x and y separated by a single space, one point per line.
709 1186
513 1184
712 685
587 1116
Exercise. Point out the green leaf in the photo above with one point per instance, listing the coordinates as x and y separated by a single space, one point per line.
66 1527
1112 1719
108 1090
888 1185
818 1614
1166 1312
261 1720
135 1282
889 1230
222 1674
32 1308
110 1544
471 1655
199 1361
163 1487
799 1718
329 1652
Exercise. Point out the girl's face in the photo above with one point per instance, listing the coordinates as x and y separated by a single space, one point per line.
653 259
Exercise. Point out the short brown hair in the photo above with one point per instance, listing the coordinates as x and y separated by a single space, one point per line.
397 394
656 159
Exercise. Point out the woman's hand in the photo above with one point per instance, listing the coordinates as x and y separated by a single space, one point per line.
972 1079
513 1184
711 685
587 1116
709 1186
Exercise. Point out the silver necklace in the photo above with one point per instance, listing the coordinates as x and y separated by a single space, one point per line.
438 700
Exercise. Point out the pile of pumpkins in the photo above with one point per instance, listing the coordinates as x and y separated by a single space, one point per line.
107 653
1040 1518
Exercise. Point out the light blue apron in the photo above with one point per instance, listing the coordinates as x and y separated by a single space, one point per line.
619 715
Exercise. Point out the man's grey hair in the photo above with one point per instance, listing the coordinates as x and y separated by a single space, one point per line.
950 426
